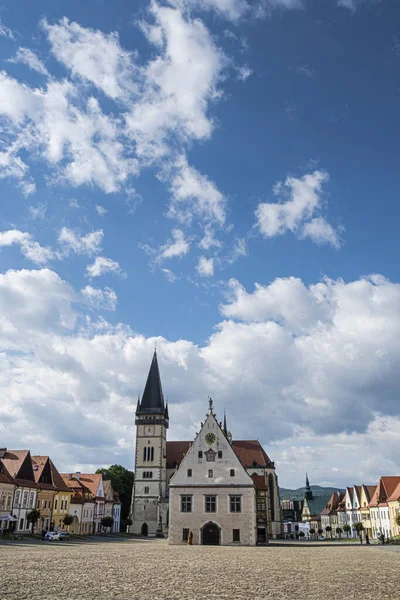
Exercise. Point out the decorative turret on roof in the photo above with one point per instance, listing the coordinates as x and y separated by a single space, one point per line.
152 401
308 493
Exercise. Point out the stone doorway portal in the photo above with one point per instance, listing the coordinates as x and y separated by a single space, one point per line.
210 535
145 530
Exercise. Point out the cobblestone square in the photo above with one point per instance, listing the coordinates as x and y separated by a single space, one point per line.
144 570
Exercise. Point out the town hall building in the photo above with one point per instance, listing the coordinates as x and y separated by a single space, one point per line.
214 489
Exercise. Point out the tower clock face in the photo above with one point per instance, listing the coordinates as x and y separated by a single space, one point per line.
210 439
148 430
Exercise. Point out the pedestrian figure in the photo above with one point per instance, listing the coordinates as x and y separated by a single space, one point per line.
43 534
190 539
367 539
383 538
361 538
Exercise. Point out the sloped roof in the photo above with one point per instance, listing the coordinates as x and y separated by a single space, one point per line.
317 504
91 481
108 490
249 452
384 489
331 505
19 465
395 495
153 398
56 483
5 476
259 482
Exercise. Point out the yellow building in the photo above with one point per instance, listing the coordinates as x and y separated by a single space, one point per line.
394 508
366 494
54 496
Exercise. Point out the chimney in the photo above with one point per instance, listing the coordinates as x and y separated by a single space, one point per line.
78 475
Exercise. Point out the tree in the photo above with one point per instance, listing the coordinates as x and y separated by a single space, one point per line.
301 534
107 522
339 531
328 529
312 531
68 520
347 529
359 527
320 531
33 517
122 482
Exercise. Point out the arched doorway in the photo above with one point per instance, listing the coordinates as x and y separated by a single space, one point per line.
145 530
210 535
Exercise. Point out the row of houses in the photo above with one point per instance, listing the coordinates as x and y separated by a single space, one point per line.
32 482
375 506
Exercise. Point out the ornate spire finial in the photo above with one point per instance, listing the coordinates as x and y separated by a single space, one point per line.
210 404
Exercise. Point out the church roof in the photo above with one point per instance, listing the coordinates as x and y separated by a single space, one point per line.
153 398
249 452
317 504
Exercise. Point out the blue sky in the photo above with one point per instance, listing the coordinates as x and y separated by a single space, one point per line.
219 176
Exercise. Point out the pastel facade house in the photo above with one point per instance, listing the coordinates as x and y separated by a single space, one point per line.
7 488
379 506
211 494
82 504
19 465
329 514
112 505
94 483
367 492
394 509
50 483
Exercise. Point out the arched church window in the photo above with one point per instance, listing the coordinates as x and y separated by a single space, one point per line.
271 495
210 473
152 453
144 454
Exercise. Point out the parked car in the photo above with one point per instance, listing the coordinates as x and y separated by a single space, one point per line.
62 536
50 535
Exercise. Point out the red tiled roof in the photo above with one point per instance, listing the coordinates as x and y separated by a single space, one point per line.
259 482
56 483
5 476
331 505
249 452
395 495
384 490
19 465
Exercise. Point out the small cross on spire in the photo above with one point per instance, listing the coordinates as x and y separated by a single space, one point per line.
210 404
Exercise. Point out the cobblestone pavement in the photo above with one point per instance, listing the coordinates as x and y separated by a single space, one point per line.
144 570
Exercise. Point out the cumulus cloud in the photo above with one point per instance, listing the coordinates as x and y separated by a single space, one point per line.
301 201
340 392
6 32
176 247
28 57
205 267
31 249
101 211
104 265
89 244
101 299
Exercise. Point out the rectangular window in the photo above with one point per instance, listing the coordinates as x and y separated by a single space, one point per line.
219 453
235 503
55 504
25 500
21 524
200 454
45 504
210 473
189 472
232 472
186 503
211 504
146 490
236 535
185 535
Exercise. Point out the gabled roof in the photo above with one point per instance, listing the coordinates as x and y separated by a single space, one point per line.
395 495
317 504
384 490
19 465
108 490
90 481
331 505
5 476
153 398
249 452
46 474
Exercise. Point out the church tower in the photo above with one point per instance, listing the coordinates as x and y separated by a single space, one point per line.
149 498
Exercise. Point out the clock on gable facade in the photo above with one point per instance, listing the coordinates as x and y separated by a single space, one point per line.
149 430
210 438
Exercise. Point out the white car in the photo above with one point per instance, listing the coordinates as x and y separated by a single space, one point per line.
61 536
50 535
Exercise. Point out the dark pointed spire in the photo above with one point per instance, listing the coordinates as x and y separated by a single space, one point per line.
152 399
225 429
308 493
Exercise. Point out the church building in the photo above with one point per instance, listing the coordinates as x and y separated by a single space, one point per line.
218 490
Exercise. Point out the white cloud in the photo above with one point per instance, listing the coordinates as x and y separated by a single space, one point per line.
209 240
320 232
28 57
29 247
94 56
38 211
244 72
301 200
101 211
103 265
12 166
333 407
350 4
231 9
179 83
89 244
194 194
205 267
178 246
6 32
170 275
105 299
